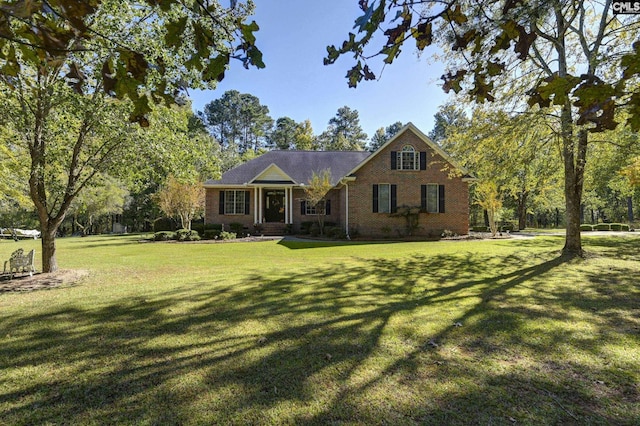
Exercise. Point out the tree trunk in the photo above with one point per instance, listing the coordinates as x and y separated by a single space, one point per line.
629 209
49 261
522 210
574 162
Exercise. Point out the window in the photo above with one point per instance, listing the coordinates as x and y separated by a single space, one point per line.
234 202
432 198
308 209
384 198
407 159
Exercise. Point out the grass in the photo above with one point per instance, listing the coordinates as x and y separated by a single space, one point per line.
473 332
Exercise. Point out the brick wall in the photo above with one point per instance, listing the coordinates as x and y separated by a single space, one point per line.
378 171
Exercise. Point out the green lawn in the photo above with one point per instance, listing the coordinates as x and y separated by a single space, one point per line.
473 332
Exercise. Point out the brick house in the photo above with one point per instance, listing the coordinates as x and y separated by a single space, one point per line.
371 191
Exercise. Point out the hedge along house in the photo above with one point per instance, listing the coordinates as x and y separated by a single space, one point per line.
373 194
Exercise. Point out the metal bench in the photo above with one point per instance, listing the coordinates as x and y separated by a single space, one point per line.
20 262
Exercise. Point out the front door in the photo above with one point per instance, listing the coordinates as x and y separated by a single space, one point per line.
274 205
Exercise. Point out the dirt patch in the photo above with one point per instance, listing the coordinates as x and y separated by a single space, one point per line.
41 281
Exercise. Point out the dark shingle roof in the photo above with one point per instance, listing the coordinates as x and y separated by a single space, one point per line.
299 165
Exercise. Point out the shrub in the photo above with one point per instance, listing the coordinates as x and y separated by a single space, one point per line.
187 235
506 227
447 233
224 235
212 227
211 234
197 227
163 224
619 226
164 236
480 228
236 227
314 230
305 227
586 227
603 227
335 232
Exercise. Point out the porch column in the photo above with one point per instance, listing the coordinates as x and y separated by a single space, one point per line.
286 205
260 206
291 206
255 205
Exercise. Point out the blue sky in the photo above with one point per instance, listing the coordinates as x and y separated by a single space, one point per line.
293 38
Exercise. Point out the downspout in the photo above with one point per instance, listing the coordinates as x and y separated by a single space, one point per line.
346 213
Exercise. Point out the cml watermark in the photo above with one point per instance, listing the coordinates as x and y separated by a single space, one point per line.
625 7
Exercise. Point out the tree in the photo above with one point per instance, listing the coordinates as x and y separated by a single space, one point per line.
174 45
382 135
181 199
343 132
283 136
238 120
448 116
64 62
517 153
571 47
488 197
315 192
105 196
304 138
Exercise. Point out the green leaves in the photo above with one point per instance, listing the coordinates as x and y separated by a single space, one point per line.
158 46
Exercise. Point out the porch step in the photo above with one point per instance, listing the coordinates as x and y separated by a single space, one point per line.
273 228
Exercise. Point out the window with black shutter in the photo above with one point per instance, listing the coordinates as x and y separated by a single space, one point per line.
384 198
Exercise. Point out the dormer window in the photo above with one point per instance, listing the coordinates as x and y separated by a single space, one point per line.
408 159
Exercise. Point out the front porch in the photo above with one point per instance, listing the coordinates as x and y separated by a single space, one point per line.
273 205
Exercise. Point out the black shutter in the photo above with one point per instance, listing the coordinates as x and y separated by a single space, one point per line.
247 199
221 211
303 208
394 160
375 198
327 207
394 198
440 198
423 160
423 197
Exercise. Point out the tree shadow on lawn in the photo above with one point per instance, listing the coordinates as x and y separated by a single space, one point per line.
444 339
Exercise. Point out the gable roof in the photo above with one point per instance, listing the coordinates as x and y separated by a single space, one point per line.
297 167
411 127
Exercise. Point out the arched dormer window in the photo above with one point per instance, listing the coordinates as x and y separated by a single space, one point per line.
408 158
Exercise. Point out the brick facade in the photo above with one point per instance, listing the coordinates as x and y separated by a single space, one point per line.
377 170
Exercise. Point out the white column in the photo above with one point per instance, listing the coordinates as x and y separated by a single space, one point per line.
255 205
286 206
291 206
260 205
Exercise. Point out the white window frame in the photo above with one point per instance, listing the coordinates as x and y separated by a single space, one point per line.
381 207
412 157
312 210
233 202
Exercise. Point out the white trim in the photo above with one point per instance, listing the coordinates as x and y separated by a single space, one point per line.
278 170
255 205
261 211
